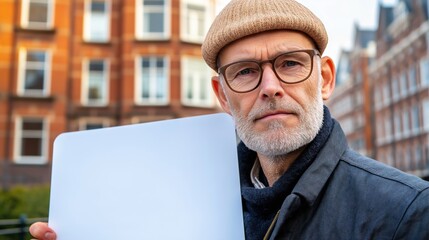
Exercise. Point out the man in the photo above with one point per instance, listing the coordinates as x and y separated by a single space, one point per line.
299 178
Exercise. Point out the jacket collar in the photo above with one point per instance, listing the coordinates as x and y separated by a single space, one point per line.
317 174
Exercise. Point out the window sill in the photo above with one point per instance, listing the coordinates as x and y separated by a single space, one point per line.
32 98
47 31
99 43
31 161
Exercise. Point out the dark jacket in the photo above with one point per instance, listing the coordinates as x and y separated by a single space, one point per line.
343 195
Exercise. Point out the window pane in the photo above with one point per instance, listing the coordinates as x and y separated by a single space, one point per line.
38 12
160 63
96 82
34 80
195 20
153 80
203 88
145 63
31 140
146 83
96 66
32 125
31 147
90 126
98 7
36 56
154 22
189 90
153 2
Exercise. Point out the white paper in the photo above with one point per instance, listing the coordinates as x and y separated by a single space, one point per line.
174 179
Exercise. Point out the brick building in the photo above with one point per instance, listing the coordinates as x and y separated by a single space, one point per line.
351 101
400 76
393 77
84 64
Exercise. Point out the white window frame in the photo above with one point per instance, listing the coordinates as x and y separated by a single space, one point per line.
198 71
85 83
139 25
25 14
24 65
152 100
190 34
87 36
19 134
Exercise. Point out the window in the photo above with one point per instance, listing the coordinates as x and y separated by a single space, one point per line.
406 122
31 141
418 156
397 125
426 114
95 123
194 20
95 86
97 21
415 119
424 72
403 84
33 76
386 96
388 129
395 89
37 14
196 86
152 85
412 79
152 19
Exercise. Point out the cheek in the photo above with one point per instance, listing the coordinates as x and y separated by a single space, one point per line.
240 103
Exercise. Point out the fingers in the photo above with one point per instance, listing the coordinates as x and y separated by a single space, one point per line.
41 231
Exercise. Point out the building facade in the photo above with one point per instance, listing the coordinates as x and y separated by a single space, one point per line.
400 76
85 64
351 101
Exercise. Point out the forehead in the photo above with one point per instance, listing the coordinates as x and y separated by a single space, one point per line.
264 45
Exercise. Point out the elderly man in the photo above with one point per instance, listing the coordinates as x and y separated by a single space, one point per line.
299 178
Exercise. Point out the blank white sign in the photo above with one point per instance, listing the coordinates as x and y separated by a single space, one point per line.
173 179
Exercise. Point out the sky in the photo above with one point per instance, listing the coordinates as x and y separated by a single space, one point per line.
340 17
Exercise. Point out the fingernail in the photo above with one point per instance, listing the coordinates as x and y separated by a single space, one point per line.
49 236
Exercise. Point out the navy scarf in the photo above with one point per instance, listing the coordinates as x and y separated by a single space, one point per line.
261 205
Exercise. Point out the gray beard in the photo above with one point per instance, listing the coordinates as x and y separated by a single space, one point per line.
279 139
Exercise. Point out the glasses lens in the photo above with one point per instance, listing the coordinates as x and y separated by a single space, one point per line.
293 67
243 76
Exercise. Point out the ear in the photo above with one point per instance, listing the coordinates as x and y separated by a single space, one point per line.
328 76
220 94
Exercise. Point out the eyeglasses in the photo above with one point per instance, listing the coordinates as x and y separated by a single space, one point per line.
290 67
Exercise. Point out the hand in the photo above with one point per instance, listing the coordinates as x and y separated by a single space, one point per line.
41 231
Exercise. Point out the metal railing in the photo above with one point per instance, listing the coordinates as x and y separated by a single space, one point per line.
18 227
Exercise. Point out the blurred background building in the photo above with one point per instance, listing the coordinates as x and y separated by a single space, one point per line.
85 64
382 97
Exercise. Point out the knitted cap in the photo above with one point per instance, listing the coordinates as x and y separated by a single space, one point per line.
241 18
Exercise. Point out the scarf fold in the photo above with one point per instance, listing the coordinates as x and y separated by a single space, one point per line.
261 205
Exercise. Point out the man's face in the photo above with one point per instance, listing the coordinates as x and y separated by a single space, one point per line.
276 118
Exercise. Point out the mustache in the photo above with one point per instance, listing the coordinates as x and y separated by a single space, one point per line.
274 106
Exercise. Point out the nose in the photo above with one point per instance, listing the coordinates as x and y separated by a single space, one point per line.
270 86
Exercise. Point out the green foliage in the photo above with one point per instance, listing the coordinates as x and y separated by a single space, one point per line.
23 201
30 201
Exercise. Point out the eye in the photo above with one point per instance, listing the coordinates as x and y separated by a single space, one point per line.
242 71
245 71
290 63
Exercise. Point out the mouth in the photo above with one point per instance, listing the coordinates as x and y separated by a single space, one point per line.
273 115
